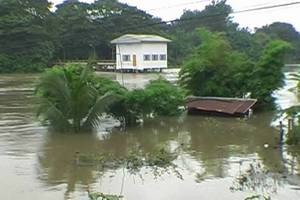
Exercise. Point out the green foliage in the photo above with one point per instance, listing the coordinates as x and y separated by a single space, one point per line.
69 100
26 42
185 37
242 40
33 38
131 107
159 98
214 17
87 28
215 69
105 85
267 75
161 158
101 196
285 32
135 159
164 99
182 45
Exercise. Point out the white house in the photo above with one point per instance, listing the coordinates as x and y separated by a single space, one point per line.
141 52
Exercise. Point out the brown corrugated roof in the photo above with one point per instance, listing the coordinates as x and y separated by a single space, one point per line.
222 105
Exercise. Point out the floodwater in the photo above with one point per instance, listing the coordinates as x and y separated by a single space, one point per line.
211 152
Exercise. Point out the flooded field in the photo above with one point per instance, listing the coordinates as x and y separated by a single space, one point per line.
210 153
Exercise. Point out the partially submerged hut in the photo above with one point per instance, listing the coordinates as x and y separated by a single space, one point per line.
220 106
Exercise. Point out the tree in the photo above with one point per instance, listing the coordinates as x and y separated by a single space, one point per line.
26 43
69 100
285 32
77 36
267 75
182 45
85 29
215 69
242 40
214 17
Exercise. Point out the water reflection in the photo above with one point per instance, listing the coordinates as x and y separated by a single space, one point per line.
212 152
214 144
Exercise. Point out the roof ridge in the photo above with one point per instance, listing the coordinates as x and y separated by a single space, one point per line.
138 38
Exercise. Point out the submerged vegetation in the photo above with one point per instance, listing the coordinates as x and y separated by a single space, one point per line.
158 98
258 181
101 196
159 161
73 98
69 99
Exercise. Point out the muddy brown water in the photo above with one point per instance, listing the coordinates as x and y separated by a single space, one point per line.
38 164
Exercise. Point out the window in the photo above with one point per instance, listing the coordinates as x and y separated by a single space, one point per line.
126 58
163 57
147 57
155 57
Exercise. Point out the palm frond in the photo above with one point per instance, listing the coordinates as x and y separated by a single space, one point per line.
55 89
69 98
99 107
56 117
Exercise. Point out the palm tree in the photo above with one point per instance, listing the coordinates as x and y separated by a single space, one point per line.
69 100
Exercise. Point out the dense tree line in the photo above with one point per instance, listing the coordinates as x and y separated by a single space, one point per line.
32 37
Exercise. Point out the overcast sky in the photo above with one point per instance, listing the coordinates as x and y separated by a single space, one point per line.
172 9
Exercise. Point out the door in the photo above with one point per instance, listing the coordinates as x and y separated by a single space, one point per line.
134 60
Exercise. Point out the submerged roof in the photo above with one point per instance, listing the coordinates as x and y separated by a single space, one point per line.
230 106
135 38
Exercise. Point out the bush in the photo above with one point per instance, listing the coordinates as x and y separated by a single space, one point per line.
164 98
159 98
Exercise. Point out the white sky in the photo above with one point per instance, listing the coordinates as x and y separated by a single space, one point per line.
172 9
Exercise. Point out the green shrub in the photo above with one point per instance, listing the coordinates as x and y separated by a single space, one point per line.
159 98
164 98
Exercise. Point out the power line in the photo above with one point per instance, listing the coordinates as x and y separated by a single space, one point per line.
155 9
256 5
195 18
214 15
177 5
267 7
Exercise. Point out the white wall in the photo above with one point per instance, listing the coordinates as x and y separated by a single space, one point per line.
140 50
154 48
127 49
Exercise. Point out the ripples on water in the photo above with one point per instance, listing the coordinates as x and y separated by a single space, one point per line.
36 164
